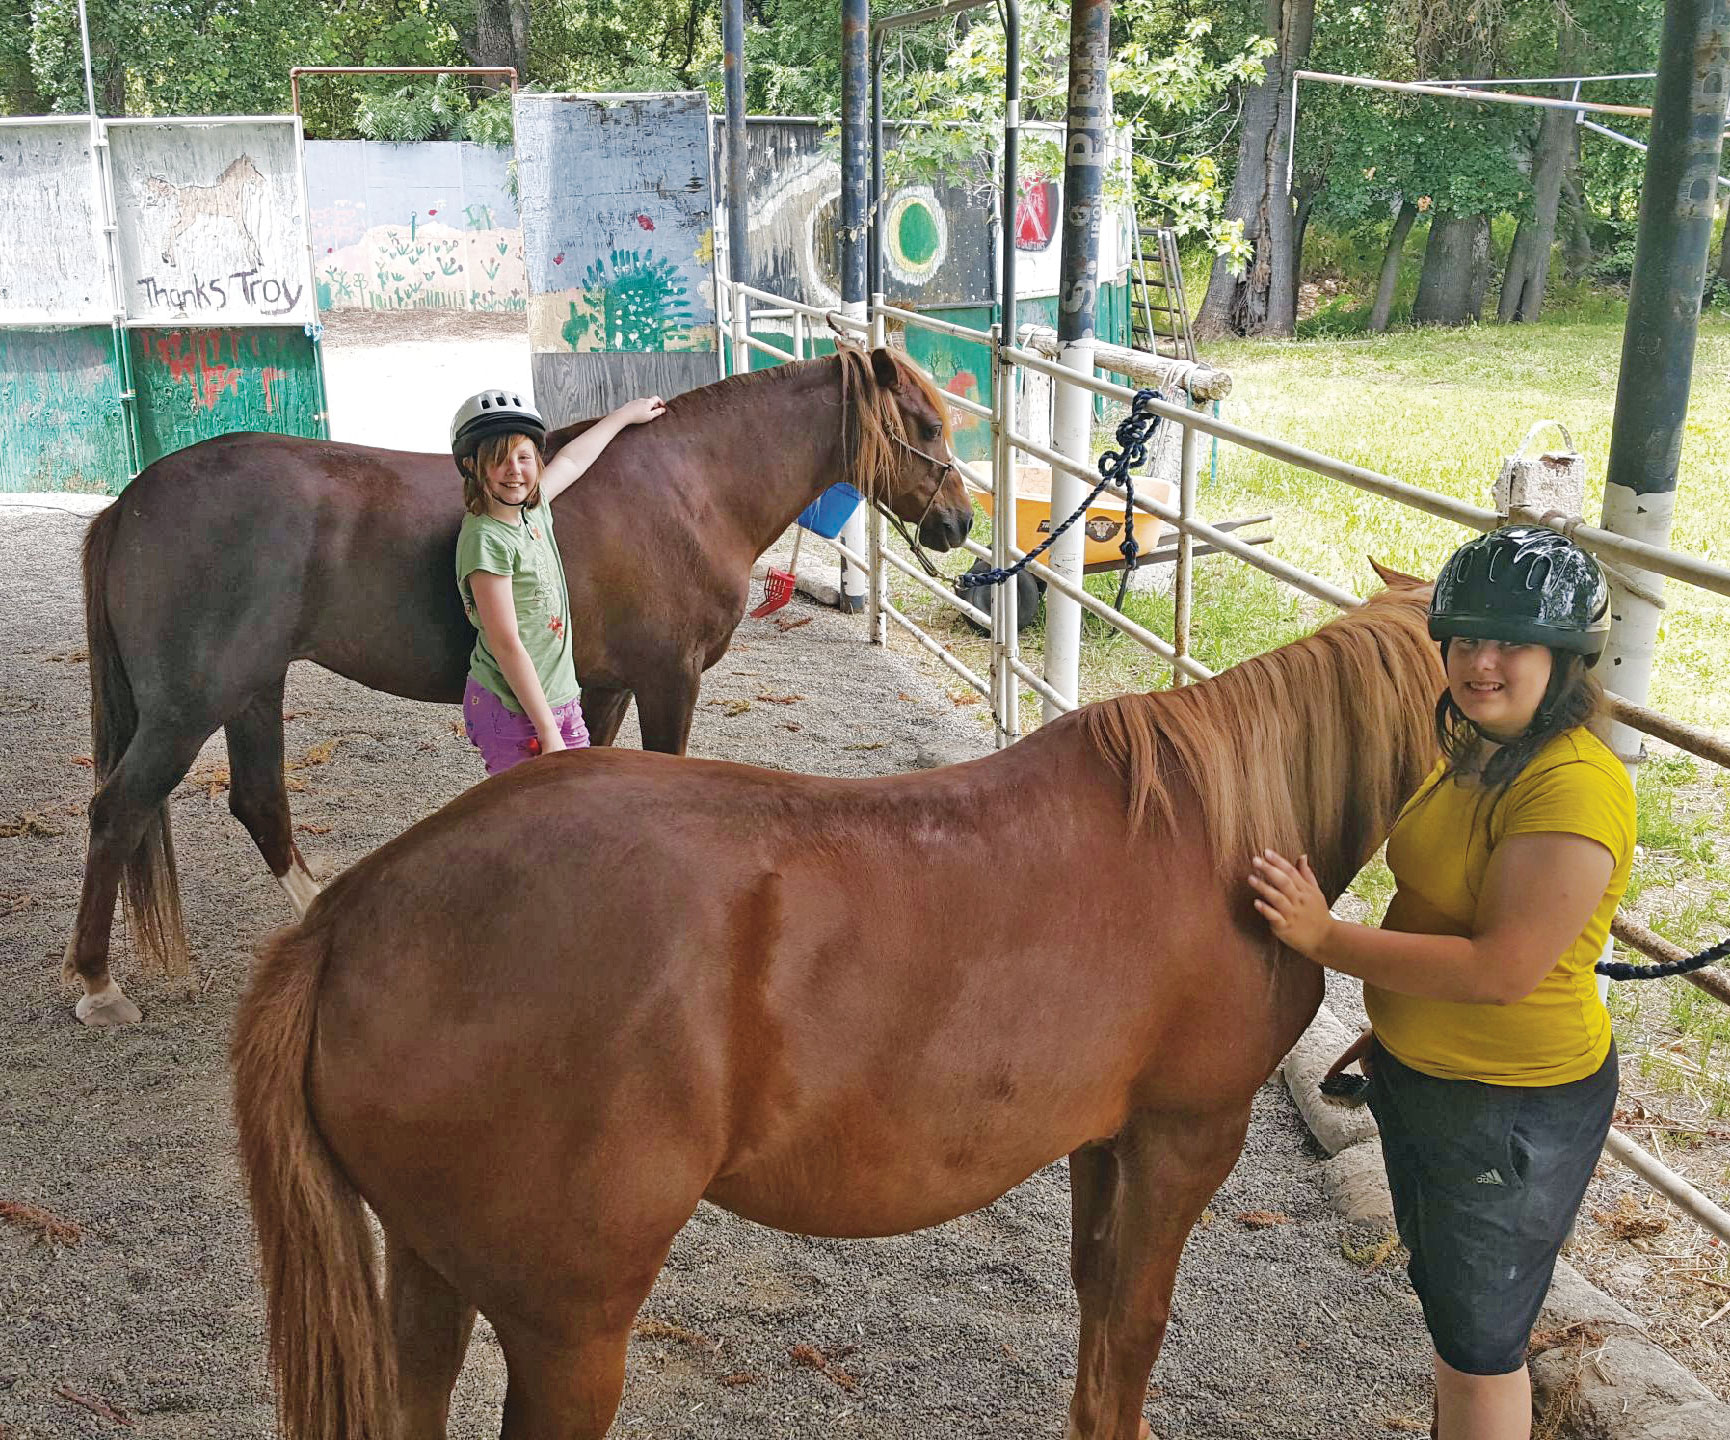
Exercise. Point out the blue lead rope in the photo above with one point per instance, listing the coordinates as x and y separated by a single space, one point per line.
1616 970
1134 433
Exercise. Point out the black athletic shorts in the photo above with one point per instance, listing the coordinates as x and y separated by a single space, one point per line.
1486 1181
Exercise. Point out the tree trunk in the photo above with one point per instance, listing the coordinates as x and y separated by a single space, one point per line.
502 37
1390 279
1264 300
1529 261
1456 271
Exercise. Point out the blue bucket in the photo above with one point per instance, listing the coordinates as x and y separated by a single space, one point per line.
831 510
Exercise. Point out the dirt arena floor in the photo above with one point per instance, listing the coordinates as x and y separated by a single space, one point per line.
143 1316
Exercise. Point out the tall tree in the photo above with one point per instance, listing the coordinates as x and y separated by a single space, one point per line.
1528 270
500 35
1262 299
1461 39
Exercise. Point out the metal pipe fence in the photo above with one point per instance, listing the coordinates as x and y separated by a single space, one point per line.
1009 673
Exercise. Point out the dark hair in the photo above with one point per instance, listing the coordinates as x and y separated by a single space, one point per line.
1572 698
490 452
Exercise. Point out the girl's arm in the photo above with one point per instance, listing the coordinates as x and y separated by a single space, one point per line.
576 456
498 614
1540 890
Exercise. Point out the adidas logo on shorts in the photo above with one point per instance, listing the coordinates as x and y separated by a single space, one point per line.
1491 1177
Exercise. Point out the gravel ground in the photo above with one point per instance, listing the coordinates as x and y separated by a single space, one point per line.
155 1310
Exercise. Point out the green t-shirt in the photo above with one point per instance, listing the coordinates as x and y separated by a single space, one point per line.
528 554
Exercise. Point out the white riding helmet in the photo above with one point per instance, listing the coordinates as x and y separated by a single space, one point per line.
494 412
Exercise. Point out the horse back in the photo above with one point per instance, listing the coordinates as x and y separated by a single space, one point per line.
289 548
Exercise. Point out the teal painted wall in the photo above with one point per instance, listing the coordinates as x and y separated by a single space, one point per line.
65 429
193 384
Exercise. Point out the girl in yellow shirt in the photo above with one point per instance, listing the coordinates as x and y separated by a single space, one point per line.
1493 1074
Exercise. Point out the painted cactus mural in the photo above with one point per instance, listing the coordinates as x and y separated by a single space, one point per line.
620 247
630 301
414 226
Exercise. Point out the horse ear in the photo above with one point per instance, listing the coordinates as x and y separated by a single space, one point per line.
884 370
1396 579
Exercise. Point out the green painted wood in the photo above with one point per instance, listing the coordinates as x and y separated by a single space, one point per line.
196 383
65 428
962 367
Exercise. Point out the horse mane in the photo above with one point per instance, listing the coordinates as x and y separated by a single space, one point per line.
1308 749
872 422
234 167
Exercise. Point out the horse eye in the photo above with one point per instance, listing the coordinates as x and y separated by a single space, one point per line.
933 432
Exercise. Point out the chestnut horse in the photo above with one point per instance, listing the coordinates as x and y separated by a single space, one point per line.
838 1007
225 561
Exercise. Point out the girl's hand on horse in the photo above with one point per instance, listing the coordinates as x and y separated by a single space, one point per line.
551 738
637 412
1291 901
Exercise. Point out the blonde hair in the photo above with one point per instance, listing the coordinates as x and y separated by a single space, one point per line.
1312 747
489 453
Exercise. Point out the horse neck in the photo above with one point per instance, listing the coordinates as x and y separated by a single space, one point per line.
783 442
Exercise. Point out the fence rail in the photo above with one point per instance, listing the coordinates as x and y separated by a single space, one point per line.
1009 672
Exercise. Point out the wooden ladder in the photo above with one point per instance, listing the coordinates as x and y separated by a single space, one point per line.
1158 315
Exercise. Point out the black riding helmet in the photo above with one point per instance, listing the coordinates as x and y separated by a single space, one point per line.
493 412
1525 585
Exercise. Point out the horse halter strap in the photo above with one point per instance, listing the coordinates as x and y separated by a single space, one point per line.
942 467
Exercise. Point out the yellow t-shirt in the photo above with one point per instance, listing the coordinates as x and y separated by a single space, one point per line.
1439 852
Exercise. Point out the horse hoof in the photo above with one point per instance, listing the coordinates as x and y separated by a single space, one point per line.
107 1008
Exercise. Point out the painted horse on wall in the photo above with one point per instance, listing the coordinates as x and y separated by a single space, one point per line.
225 561
838 1007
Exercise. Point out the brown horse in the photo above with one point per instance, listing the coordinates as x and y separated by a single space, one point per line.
838 1007
225 561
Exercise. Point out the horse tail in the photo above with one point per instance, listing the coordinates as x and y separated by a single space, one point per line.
150 886
334 1380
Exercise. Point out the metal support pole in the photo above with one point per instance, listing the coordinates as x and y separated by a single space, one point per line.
739 311
1005 619
1005 611
877 622
855 171
738 202
1676 214
1086 153
1183 585
874 201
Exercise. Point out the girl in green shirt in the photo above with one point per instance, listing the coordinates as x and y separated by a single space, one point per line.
522 695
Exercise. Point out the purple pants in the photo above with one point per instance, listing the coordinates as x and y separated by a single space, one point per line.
506 738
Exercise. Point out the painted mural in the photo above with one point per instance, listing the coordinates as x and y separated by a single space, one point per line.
52 268
212 226
414 226
193 383
65 425
619 247
936 237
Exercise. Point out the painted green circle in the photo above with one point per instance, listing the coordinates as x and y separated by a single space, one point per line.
917 234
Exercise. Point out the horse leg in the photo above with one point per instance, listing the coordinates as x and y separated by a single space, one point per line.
430 1325
258 795
664 709
604 712
156 760
1133 1203
566 1386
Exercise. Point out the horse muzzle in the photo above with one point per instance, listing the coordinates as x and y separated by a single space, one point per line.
945 529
